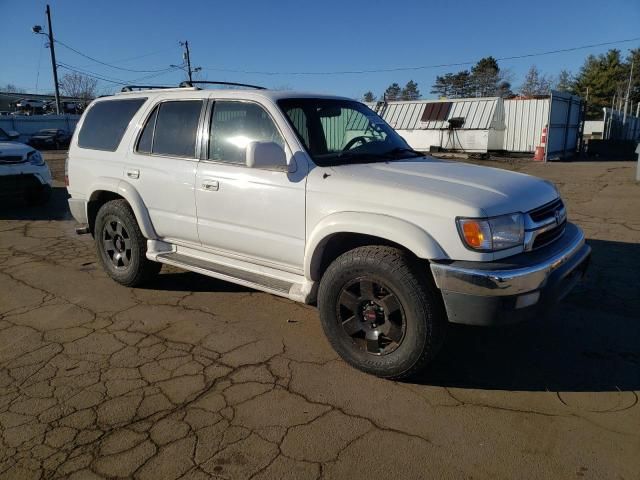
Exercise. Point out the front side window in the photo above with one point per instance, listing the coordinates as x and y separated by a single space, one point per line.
105 123
234 125
172 129
338 131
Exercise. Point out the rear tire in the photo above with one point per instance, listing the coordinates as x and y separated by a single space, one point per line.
121 246
381 311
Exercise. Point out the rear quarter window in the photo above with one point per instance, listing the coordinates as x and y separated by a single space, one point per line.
106 122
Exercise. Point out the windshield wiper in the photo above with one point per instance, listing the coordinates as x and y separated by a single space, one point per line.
396 152
349 157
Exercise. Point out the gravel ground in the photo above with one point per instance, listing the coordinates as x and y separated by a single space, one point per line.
192 377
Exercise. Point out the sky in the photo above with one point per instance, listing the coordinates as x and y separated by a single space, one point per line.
228 39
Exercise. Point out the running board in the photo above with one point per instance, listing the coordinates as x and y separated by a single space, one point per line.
228 273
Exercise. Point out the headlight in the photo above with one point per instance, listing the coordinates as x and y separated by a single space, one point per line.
492 234
35 158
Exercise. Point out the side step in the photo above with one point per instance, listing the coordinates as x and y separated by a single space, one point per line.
225 272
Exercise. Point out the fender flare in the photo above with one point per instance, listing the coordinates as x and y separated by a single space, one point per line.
131 195
404 233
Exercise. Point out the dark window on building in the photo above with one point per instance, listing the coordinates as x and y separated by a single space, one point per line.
436 111
146 139
106 122
176 128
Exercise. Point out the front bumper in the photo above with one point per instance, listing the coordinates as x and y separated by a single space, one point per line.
516 288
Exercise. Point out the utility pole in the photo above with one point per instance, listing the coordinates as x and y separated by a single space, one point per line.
52 48
53 61
186 56
188 59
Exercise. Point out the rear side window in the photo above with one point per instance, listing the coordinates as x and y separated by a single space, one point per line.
106 122
172 129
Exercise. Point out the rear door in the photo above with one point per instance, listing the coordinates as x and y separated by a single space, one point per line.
162 166
249 212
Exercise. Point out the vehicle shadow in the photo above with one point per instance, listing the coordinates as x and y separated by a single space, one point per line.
56 208
590 342
175 280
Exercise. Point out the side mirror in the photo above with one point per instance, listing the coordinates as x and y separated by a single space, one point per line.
266 155
13 135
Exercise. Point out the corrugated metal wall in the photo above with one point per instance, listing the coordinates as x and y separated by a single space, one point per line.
525 119
615 129
479 114
564 125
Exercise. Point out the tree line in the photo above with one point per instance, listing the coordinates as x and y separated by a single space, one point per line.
602 81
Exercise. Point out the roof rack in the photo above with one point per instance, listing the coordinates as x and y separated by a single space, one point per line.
131 88
191 83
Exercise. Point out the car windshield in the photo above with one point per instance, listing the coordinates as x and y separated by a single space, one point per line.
4 136
339 132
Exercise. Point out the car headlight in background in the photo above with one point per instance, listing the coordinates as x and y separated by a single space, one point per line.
35 158
492 234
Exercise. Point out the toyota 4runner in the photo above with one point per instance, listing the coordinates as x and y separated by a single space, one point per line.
317 199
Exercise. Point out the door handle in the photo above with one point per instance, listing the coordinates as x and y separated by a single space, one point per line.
210 185
133 173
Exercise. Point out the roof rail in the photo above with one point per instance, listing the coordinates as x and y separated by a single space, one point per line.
191 83
131 88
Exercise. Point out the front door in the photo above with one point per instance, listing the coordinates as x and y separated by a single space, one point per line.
256 214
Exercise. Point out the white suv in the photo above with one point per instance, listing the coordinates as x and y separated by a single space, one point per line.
317 199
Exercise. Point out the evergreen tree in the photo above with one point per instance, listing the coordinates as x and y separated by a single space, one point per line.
485 76
443 85
369 97
604 76
393 92
410 91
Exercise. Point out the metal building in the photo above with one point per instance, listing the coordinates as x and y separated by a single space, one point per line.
465 124
489 124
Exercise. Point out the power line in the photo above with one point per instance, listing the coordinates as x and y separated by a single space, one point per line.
137 57
91 75
105 63
424 67
114 80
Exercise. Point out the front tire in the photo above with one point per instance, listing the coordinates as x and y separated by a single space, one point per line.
121 246
381 312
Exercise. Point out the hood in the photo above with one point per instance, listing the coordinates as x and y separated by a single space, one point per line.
13 149
471 190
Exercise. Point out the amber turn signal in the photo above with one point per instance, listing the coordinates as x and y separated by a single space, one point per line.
473 234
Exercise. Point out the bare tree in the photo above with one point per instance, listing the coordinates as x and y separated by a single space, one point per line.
11 88
78 86
535 83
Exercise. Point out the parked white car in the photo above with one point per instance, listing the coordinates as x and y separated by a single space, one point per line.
317 199
23 171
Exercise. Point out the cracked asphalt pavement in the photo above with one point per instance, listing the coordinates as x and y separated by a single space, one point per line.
195 378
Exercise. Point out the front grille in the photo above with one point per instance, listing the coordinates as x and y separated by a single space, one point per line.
545 238
12 159
547 211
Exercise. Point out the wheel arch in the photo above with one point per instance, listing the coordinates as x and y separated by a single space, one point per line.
113 189
343 231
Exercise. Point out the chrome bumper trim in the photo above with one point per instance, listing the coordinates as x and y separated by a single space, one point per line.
485 280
